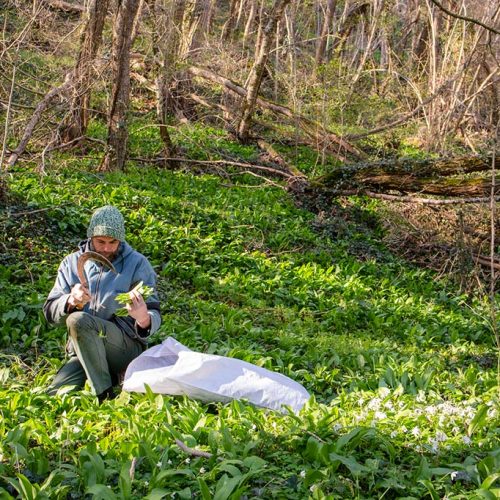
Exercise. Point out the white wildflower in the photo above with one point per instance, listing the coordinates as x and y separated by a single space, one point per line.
337 427
159 464
416 431
146 483
380 415
441 436
76 429
313 487
454 475
404 430
302 473
394 434
202 470
430 410
389 405
420 397
254 427
188 460
169 462
384 391
434 445
374 404
467 440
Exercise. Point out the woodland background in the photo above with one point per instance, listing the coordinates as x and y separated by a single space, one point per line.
316 184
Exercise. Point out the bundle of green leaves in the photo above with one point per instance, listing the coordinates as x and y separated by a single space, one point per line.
125 298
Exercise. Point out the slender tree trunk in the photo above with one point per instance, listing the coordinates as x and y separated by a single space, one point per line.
325 30
250 21
120 94
168 16
76 122
257 71
229 25
207 8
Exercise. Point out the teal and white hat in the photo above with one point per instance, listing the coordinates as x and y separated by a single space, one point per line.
107 221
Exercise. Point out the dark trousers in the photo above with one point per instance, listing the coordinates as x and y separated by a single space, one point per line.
101 352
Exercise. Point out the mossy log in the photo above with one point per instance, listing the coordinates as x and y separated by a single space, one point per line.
451 177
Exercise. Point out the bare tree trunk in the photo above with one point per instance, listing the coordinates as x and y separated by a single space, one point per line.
137 21
207 14
120 94
76 122
168 17
250 21
325 30
257 71
229 25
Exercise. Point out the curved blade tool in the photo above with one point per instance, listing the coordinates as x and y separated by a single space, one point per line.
97 257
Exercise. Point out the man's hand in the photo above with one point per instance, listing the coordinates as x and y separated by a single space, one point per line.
78 297
138 310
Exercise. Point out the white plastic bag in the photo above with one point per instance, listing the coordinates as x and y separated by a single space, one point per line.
172 368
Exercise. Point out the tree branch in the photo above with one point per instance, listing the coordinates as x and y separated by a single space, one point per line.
192 451
464 18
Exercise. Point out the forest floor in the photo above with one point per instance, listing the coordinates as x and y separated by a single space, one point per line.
401 363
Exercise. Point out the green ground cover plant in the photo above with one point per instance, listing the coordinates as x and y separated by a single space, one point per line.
402 370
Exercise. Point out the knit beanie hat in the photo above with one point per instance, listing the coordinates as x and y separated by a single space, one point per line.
107 221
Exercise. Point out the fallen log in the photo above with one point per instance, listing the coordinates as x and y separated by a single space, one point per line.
66 6
449 177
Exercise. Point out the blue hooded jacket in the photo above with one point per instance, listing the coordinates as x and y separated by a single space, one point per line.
104 285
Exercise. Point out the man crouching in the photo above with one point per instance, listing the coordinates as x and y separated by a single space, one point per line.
100 343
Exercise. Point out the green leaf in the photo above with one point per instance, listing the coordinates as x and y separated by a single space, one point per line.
124 481
489 495
158 494
354 467
205 492
430 488
478 421
254 463
226 486
489 481
166 474
101 492
231 469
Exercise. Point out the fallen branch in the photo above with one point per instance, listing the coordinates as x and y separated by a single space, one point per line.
192 451
66 6
131 471
273 171
413 199
319 135
484 260
278 159
35 118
